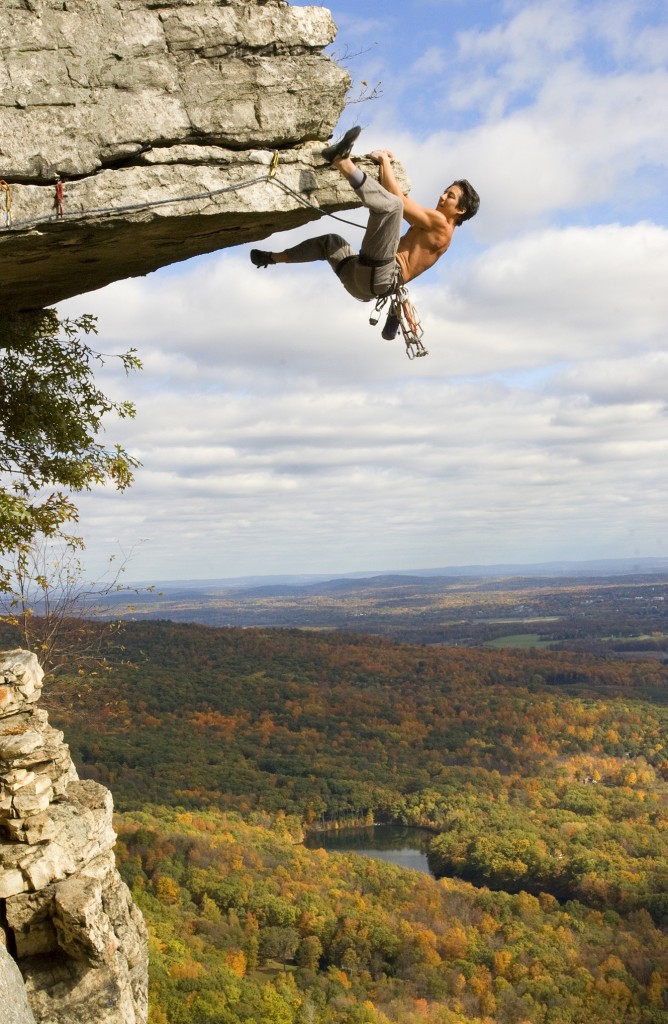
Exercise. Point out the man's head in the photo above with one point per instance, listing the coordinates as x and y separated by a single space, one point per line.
469 200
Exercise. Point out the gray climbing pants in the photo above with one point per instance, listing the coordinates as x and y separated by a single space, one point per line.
374 270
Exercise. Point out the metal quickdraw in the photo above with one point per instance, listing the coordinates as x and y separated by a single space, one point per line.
402 315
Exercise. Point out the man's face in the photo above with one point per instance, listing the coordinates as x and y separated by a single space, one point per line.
450 199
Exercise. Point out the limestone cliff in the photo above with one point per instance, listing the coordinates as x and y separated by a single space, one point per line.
136 105
66 916
13 998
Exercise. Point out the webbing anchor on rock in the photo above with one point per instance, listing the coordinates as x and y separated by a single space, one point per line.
58 198
7 189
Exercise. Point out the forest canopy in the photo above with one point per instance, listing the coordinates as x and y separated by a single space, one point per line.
247 927
540 776
534 770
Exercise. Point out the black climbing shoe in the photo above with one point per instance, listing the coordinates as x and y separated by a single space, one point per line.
343 148
259 258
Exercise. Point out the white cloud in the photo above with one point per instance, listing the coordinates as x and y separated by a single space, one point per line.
304 440
639 381
277 430
371 481
548 297
583 141
547 112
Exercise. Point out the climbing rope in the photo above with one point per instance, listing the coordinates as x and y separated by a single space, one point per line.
7 189
402 313
402 316
153 203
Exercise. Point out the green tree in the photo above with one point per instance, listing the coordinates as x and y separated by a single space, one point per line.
51 413
309 952
279 943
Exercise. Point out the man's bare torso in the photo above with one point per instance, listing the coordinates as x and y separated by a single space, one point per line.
420 248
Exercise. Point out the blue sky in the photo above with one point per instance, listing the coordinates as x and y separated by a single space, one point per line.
279 433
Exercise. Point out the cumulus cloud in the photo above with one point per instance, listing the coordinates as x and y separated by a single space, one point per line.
548 111
321 446
278 431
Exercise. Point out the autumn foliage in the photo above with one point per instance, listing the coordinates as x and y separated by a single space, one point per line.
265 931
540 775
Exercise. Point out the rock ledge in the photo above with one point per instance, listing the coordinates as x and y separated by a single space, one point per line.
66 916
133 105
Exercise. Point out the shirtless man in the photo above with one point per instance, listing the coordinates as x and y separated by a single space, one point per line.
386 260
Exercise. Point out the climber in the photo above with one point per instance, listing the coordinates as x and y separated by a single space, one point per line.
386 260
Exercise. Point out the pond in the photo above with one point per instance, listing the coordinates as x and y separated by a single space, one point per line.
396 844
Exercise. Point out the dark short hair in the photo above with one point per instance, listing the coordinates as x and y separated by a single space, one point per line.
470 200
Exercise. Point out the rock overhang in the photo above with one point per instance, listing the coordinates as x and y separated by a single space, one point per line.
138 133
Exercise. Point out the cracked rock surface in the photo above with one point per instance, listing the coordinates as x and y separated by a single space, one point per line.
136 105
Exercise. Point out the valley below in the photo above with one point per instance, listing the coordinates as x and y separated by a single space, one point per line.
529 754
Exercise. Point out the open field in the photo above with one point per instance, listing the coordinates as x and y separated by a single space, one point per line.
520 641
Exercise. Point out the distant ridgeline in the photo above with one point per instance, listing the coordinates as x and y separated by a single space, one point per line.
587 609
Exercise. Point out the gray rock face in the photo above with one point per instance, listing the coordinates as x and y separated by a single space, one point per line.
161 118
65 913
14 1007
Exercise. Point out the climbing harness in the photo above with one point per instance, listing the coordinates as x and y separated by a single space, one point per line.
402 316
7 189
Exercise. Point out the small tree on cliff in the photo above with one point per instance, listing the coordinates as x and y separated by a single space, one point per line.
51 413
50 607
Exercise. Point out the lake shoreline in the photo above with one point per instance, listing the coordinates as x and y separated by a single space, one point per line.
403 845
